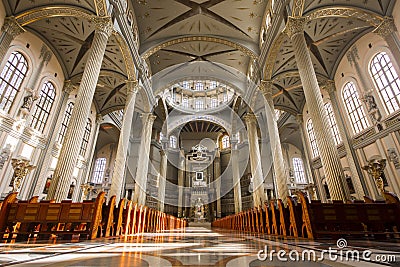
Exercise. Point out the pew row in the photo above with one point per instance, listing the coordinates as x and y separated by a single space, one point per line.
90 219
315 220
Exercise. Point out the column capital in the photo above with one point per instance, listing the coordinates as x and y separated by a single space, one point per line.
12 27
266 88
295 26
68 87
132 86
103 25
250 118
45 54
386 27
300 119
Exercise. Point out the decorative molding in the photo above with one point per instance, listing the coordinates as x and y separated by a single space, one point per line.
295 25
37 14
101 7
103 25
298 8
127 56
346 12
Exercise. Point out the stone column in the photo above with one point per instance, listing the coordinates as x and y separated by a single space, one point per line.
217 179
307 163
324 136
237 190
47 156
388 31
181 180
162 180
255 160
281 173
118 177
355 170
10 30
143 162
78 194
33 92
70 149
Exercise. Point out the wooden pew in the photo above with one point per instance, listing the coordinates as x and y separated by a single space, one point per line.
267 220
274 221
284 218
107 222
42 220
295 217
119 218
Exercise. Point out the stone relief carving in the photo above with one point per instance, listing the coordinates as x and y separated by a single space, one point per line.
393 157
373 110
5 155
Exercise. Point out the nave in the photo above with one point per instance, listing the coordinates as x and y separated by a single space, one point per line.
197 245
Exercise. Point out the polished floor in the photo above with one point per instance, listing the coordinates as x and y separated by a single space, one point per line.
201 246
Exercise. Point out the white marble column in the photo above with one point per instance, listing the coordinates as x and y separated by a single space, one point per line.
45 161
237 190
181 180
162 179
255 160
217 179
70 150
281 173
388 31
118 177
324 136
10 30
355 177
144 157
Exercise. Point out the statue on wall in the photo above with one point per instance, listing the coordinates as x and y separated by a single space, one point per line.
393 157
5 155
372 107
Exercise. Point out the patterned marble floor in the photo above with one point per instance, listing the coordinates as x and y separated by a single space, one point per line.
200 246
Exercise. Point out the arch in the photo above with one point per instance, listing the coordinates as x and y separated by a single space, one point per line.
126 54
43 106
212 39
178 120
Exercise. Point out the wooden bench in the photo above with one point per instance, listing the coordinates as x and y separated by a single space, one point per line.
23 220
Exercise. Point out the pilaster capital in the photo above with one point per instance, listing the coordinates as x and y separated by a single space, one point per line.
250 118
299 119
45 54
386 27
132 86
330 87
295 25
68 87
103 25
12 27
99 118
148 118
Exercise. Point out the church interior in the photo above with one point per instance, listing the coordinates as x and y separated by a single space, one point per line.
199 133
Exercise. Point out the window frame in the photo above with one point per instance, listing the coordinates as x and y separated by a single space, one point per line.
312 138
43 106
99 170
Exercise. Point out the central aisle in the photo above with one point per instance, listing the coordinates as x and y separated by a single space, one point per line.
197 246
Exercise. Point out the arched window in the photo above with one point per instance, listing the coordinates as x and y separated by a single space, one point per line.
386 80
199 104
98 171
225 142
185 102
299 171
173 141
65 122
11 79
311 137
354 108
86 136
214 102
199 86
332 123
43 106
